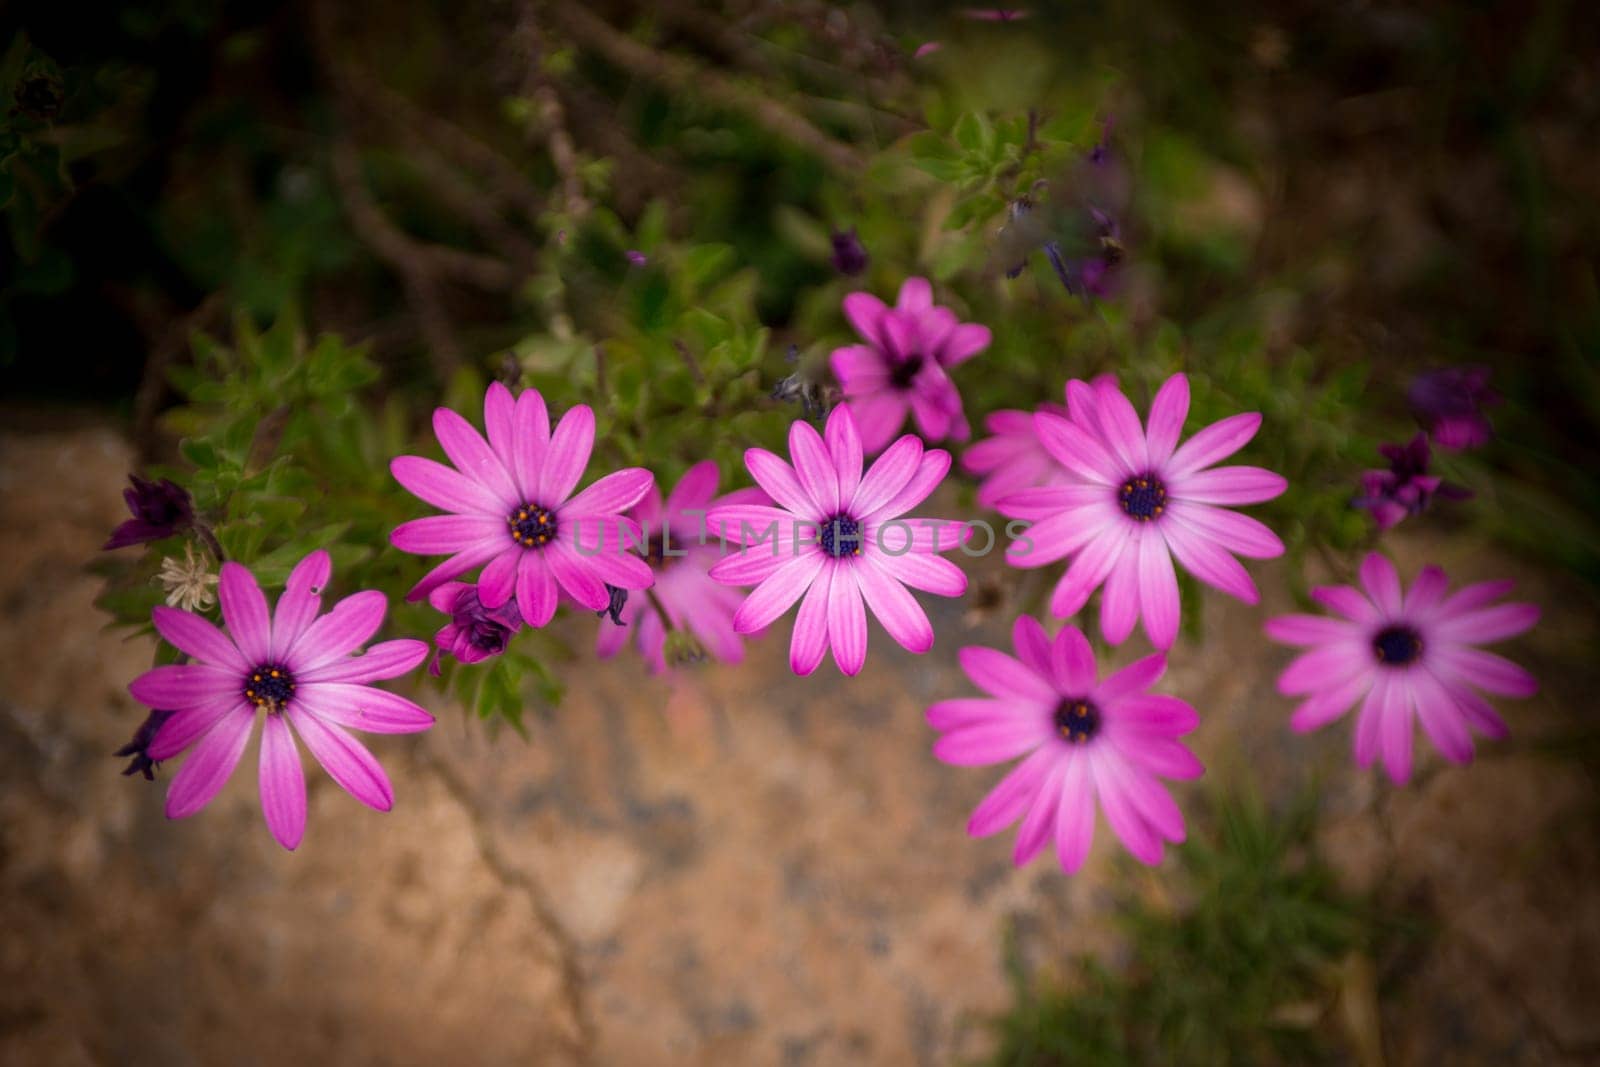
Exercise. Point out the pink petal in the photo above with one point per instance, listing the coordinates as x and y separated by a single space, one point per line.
443 534
1396 731
434 483
1048 501
844 448
916 294
244 611
1153 713
362 707
1490 624
186 686
536 589
1487 671
922 570
1474 596
1324 706
1136 677
197 637
768 530
995 741
472 455
1087 570
968 711
567 456
887 476
1237 533
1072 663
1205 560
964 342
1000 675
283 783
1039 822
350 624
387 659
1382 583
498 582
865 313
1119 603
696 489
847 620
1479 714
1074 815
301 600
1012 795
1369 722
1155 805
346 760
1442 721
778 593
1167 413
623 570
190 724
1228 485
575 576
810 640
1308 630
1083 404
210 765
1121 431
1076 450
747 568
1216 442
1328 665
1032 643
500 422
613 494
781 483
814 467
892 606
454 567
1126 821
1158 591
1427 592
532 443
935 464
859 368
878 414
1060 536
1348 601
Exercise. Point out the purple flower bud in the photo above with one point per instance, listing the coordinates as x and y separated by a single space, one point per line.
474 632
1449 403
849 257
1406 488
619 600
159 509
139 747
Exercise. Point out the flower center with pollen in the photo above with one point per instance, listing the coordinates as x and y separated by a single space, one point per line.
269 687
841 537
532 526
1077 720
902 374
1397 646
1143 498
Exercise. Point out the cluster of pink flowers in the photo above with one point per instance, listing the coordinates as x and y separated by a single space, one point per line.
1119 501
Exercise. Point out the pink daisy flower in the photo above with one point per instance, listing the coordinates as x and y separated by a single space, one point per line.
836 538
684 588
296 666
1082 741
1402 655
910 348
1144 501
513 510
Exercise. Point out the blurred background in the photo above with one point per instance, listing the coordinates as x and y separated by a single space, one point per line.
656 208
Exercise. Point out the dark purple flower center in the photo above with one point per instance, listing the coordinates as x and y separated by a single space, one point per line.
532 526
1143 497
841 536
1397 646
1077 720
269 687
903 373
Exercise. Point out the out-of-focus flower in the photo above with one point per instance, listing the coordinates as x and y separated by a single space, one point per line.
636 257
849 256
699 610
159 510
1076 222
927 48
514 511
1143 501
296 666
474 632
1449 403
836 538
139 747
904 365
188 584
1406 488
1404 656
1082 742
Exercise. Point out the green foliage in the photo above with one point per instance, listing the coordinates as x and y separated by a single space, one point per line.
1244 968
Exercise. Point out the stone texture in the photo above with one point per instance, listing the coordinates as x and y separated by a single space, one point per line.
744 868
